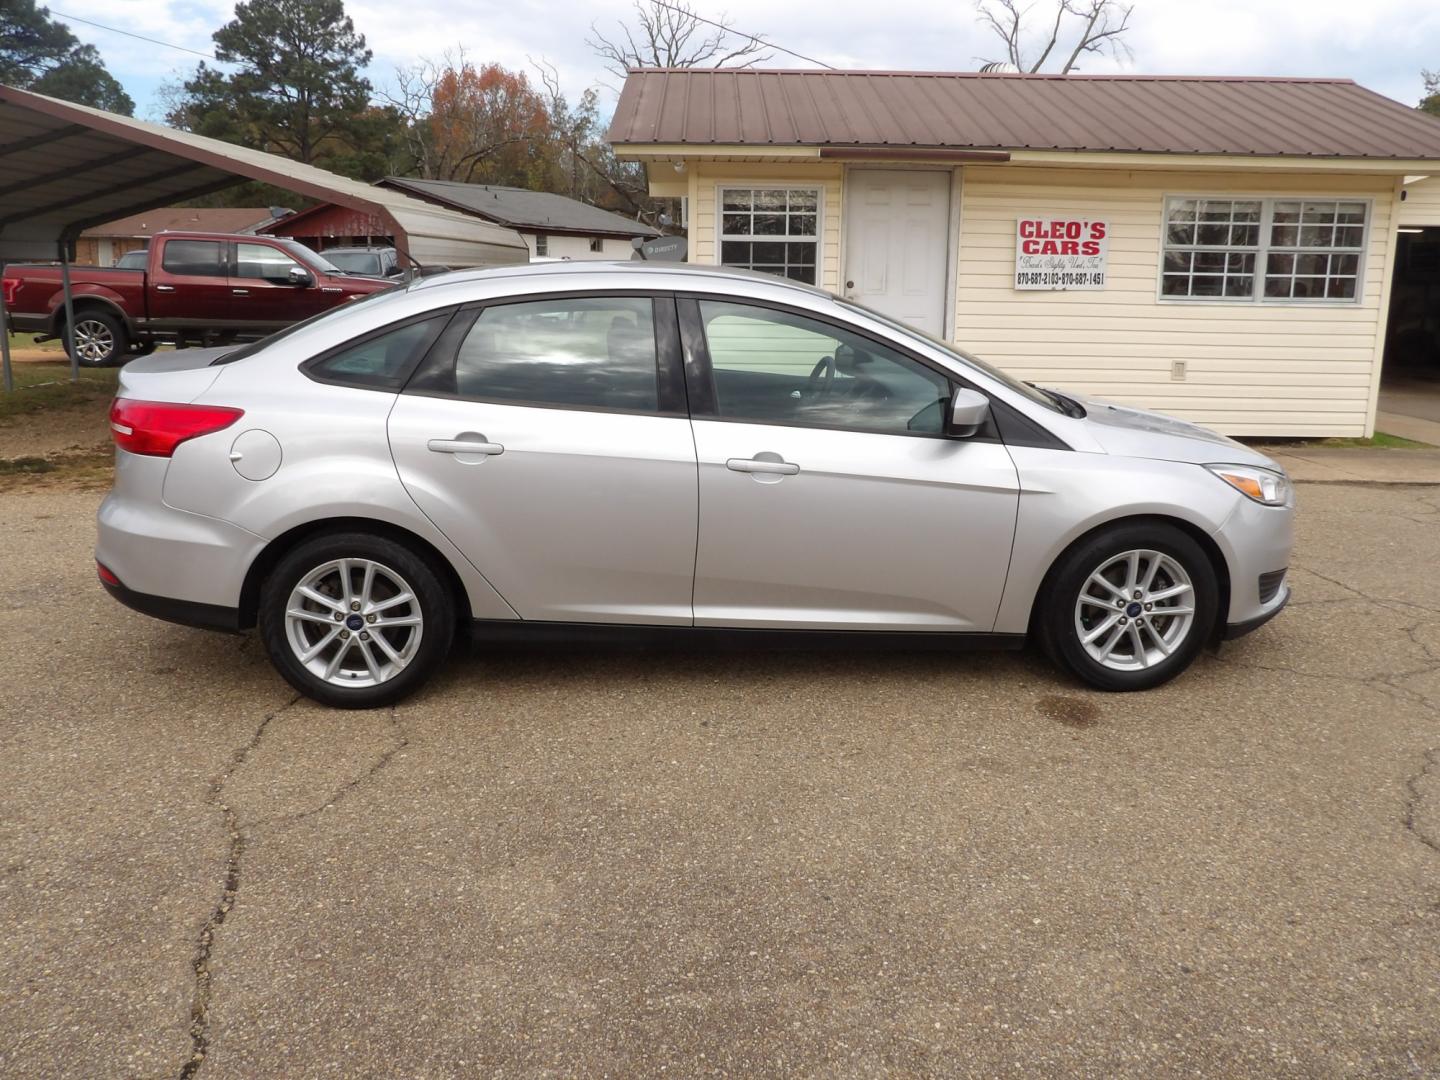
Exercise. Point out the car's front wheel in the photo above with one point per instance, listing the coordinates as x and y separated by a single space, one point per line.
1130 606
356 620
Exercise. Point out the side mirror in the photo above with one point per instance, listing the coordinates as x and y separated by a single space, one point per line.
301 277
969 410
395 271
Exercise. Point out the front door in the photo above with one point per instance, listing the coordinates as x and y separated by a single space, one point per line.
546 441
897 227
264 296
829 495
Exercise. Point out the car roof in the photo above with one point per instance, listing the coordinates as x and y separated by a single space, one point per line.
647 275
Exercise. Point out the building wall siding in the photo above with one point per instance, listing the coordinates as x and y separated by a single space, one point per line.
1422 203
578 247
1252 368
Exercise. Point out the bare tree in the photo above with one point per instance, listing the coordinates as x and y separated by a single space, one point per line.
1102 27
670 33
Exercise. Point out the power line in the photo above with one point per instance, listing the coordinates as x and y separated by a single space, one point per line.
141 37
738 33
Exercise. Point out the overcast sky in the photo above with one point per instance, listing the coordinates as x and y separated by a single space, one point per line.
1382 44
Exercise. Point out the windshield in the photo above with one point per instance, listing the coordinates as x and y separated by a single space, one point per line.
312 259
280 335
356 262
1031 393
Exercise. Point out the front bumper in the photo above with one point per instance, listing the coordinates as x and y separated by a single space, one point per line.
1240 629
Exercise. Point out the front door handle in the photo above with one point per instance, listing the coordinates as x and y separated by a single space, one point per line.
760 465
465 443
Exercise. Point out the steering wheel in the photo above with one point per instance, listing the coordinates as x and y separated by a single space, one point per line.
822 376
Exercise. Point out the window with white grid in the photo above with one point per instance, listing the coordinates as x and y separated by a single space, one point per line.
1263 249
775 230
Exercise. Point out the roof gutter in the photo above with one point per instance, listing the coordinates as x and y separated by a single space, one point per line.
908 153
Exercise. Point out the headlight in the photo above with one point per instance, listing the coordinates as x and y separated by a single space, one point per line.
1262 485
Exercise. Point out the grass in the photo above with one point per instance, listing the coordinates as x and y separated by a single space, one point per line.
46 387
27 343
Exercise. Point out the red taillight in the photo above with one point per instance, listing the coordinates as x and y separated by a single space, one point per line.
106 574
11 287
155 428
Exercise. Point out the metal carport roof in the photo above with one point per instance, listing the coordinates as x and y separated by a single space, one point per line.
65 167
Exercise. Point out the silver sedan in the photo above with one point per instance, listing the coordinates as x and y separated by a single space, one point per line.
674 449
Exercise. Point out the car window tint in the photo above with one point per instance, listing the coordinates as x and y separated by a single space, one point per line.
194 258
778 367
257 261
578 352
381 360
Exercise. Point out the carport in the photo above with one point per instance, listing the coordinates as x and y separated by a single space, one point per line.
65 168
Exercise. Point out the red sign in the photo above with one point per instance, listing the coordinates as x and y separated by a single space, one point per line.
1061 253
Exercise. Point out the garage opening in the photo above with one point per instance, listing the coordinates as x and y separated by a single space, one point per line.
1410 378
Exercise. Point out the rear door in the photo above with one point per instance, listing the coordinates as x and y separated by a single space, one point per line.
189 284
548 439
829 495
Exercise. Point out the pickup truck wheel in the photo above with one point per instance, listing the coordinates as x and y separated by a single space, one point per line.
100 339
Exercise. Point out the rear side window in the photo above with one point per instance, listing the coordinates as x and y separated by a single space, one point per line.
570 352
381 360
194 258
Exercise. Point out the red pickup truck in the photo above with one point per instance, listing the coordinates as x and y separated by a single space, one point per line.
197 288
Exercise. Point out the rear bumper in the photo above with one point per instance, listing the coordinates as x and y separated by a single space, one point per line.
184 612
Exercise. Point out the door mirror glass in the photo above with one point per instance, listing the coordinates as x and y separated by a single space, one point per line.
301 277
969 410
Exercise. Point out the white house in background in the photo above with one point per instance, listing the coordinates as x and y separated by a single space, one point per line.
554 226
1222 249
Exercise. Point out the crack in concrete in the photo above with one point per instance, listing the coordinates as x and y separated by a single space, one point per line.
402 741
1412 804
230 888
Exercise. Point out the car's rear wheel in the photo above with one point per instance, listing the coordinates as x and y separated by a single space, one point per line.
100 338
356 620
1130 607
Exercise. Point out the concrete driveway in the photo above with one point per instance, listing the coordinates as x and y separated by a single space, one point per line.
582 862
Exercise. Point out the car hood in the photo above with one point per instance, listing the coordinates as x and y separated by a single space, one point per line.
1130 432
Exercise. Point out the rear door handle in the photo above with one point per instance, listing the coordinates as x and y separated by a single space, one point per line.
164 288
239 292
475 444
755 465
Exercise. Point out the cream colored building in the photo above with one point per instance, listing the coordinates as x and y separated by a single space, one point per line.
1249 227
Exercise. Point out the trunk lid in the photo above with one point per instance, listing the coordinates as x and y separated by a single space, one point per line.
179 376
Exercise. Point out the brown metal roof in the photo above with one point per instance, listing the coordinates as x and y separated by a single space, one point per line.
971 110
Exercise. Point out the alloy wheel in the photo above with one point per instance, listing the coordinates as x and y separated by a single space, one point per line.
1134 610
94 341
353 622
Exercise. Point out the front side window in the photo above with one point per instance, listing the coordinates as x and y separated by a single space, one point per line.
573 352
778 367
1263 249
263 263
194 258
775 230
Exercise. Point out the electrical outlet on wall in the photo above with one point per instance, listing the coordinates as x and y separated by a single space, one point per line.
1177 370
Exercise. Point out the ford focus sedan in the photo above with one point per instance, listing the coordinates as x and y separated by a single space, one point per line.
675 448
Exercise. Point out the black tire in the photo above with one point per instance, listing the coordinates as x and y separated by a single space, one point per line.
101 338
1060 595
434 600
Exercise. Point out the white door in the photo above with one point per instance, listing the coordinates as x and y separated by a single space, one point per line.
896 243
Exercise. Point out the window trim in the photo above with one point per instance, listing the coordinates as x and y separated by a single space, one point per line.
700 372
1262 251
669 376
759 185
310 368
